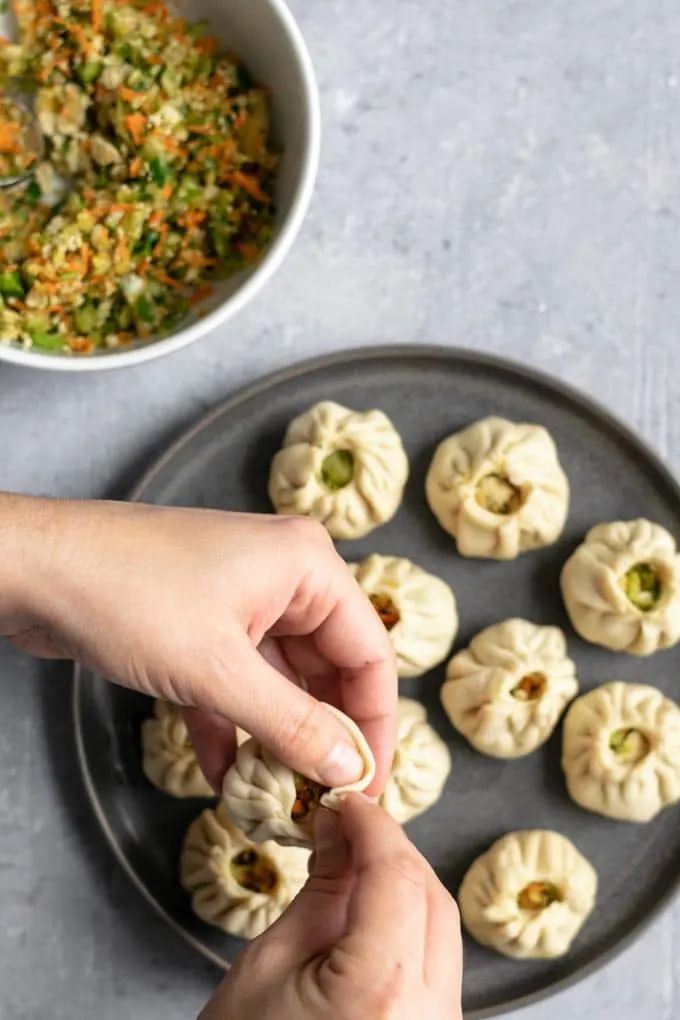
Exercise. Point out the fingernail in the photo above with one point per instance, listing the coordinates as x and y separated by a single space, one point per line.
342 766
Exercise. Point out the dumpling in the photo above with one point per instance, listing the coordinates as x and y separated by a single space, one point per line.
168 757
344 468
498 488
529 895
238 886
420 767
506 692
417 608
621 587
621 751
267 800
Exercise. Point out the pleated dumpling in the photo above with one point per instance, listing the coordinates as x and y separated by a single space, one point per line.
506 692
168 757
238 886
418 610
267 800
621 587
421 765
529 895
621 751
344 468
498 488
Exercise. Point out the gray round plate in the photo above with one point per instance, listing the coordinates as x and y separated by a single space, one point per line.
428 392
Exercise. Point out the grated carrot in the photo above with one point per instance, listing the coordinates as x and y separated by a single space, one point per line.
249 184
136 124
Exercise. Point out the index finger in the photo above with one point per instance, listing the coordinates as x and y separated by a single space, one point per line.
349 635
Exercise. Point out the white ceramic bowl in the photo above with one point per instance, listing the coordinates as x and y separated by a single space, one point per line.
264 34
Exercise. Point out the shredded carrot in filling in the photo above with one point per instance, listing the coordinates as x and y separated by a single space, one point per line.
308 796
163 143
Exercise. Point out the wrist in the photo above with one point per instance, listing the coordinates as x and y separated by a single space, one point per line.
27 552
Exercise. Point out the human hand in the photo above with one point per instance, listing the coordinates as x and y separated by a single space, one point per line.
178 603
373 934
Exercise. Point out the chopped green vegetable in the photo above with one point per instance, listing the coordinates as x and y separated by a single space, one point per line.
90 71
642 586
49 341
158 171
33 192
11 285
145 310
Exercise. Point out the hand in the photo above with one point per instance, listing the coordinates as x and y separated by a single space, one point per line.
176 603
373 934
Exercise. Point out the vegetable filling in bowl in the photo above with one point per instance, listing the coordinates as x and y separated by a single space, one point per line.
157 175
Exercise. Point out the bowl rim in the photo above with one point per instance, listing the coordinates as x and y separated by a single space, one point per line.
271 261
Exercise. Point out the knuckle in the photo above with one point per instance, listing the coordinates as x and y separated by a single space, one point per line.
306 531
407 869
304 732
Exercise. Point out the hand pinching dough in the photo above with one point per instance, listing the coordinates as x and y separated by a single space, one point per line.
417 608
267 800
344 468
498 488
169 760
420 768
621 587
506 692
238 886
621 751
529 895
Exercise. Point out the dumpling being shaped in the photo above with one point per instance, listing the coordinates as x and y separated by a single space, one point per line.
267 800
621 587
168 757
498 488
420 767
238 886
529 895
418 610
346 469
507 690
621 751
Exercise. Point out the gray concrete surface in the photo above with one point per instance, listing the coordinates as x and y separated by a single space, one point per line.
500 175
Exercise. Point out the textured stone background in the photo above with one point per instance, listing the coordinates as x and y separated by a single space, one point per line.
499 175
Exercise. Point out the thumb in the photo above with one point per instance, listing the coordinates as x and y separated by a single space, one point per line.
317 919
297 728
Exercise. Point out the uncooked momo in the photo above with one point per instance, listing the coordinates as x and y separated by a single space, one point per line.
417 608
528 895
498 488
506 691
169 760
621 587
267 800
344 468
420 767
236 885
621 751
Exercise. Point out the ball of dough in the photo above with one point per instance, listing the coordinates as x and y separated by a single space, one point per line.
417 608
621 751
529 895
506 692
238 886
168 757
420 767
498 488
344 468
267 800
621 587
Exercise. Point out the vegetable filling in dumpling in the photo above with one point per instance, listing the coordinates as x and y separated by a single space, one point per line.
531 687
254 872
386 610
642 585
308 796
498 495
630 746
538 896
337 470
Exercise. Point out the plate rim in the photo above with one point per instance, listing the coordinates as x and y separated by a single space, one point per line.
433 352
